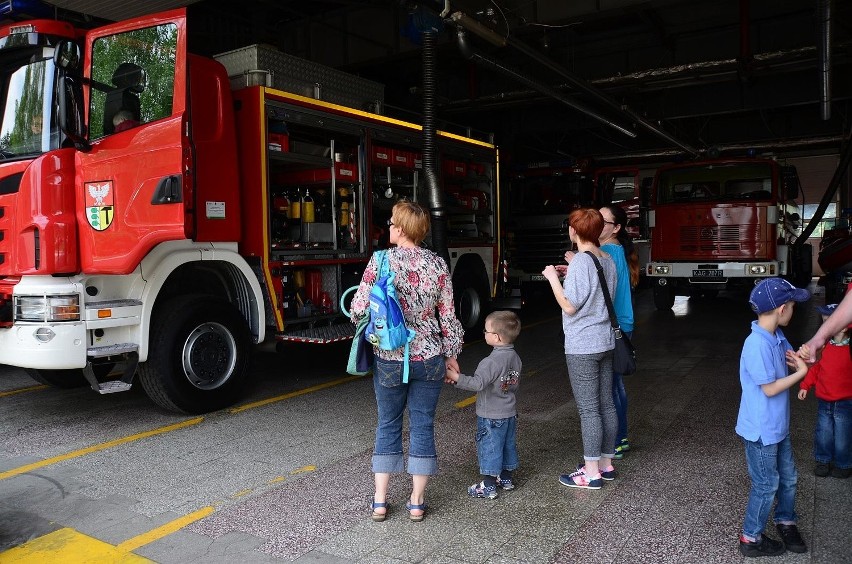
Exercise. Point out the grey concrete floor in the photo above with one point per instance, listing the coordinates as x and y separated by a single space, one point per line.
290 481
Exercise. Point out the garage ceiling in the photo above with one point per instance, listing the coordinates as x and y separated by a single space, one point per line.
686 76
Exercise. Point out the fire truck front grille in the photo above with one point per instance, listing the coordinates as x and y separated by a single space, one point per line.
533 249
710 238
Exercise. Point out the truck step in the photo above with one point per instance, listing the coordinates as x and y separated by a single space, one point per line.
113 386
125 362
111 350
324 334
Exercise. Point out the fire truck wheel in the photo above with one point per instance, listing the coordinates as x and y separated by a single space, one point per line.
199 355
664 298
471 299
65 379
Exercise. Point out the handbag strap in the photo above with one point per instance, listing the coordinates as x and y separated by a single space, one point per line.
612 318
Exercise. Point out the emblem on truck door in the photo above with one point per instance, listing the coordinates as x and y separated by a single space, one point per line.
99 204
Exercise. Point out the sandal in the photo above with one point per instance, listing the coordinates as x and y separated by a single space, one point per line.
378 517
412 507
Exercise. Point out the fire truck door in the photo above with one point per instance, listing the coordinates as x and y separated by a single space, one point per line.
131 183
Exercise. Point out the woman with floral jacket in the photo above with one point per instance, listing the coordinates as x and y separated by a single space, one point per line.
424 288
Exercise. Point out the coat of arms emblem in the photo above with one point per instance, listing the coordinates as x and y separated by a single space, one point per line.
99 204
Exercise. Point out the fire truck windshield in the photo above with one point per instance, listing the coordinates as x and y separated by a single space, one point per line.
726 182
28 124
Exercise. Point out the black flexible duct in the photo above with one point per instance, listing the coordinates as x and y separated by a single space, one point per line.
430 156
828 197
824 14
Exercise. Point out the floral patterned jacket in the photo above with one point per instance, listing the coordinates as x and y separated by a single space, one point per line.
422 284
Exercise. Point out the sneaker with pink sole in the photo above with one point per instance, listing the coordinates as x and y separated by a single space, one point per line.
579 479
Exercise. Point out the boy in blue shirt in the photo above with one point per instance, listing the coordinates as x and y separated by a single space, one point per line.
764 419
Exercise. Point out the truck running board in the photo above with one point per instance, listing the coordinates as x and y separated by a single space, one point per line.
324 334
106 360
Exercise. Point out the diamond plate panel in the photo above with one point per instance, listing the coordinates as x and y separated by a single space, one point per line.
299 76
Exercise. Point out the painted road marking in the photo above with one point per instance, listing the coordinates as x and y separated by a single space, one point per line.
164 530
67 545
297 393
98 447
22 390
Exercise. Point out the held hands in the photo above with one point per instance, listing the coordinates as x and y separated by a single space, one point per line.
808 350
452 376
452 367
795 360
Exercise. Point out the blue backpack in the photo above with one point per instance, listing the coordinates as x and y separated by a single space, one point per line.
386 328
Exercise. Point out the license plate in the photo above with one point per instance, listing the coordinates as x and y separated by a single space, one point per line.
537 277
707 273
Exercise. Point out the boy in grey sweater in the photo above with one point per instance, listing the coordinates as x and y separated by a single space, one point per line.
495 383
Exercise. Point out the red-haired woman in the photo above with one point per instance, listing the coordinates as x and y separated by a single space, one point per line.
588 346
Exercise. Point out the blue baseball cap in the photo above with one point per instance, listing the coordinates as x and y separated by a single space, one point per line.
826 309
775 292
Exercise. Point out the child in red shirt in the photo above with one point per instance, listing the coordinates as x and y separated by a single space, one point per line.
832 376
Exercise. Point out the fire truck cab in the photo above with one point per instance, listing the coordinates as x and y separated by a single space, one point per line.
724 224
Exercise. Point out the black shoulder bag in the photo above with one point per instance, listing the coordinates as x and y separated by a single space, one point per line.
624 355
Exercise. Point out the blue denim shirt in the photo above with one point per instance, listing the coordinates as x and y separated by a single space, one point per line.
763 361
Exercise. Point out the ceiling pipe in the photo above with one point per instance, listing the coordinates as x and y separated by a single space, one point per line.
775 145
469 54
587 88
824 14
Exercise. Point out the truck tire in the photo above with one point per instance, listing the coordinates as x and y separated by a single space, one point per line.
199 355
63 379
471 296
664 297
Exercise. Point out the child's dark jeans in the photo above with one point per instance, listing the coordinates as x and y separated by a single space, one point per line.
833 433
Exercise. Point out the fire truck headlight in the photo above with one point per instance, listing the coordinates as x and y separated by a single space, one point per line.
47 308
757 269
662 269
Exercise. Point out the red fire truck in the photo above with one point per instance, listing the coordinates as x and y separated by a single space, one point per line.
724 224
155 223
542 194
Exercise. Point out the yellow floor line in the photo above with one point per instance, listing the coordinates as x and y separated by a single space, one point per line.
164 530
23 390
98 447
68 547
297 393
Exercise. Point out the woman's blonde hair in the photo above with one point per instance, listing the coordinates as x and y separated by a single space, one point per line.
412 219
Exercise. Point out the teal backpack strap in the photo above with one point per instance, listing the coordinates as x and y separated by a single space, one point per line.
405 365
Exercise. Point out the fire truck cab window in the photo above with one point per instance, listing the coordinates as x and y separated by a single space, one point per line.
133 76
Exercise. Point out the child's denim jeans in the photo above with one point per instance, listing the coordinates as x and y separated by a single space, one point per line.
833 433
773 475
495 445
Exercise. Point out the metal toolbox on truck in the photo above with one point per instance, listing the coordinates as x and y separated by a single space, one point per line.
248 66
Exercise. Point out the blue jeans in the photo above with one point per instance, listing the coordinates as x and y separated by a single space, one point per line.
773 476
495 445
833 433
420 395
619 398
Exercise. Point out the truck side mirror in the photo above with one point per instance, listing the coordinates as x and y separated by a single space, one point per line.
790 182
67 56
